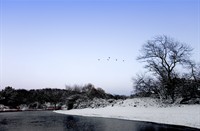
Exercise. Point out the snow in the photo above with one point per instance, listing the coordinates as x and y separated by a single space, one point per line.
145 109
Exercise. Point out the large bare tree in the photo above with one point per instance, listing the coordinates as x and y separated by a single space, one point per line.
162 55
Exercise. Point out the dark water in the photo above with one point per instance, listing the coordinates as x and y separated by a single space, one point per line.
50 121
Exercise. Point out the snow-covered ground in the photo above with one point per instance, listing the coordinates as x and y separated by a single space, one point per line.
145 109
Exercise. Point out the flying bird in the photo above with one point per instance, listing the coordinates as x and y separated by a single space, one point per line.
108 59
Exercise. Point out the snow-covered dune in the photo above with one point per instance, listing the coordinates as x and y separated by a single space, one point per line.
145 109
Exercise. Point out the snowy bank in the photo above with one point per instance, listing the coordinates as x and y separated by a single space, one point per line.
145 110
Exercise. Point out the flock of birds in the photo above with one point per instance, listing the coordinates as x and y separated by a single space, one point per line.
108 59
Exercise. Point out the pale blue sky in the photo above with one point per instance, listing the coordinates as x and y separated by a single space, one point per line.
50 43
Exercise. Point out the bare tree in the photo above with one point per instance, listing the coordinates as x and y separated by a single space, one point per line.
88 87
194 70
162 55
101 90
145 85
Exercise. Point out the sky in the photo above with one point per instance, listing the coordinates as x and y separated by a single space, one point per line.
53 43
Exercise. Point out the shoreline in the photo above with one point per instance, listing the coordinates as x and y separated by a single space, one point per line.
18 110
185 115
182 126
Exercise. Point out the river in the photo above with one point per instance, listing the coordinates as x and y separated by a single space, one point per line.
50 121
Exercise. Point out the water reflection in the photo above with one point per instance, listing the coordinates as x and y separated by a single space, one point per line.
49 121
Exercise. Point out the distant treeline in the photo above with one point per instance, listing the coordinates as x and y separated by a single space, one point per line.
15 97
